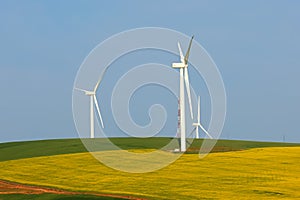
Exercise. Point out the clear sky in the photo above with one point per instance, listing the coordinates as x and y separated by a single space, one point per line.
255 44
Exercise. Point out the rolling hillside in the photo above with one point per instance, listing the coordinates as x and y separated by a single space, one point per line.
18 150
261 171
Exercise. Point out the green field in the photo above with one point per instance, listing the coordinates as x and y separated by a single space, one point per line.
18 150
261 171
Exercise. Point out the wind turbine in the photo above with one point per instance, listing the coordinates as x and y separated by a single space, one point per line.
184 80
198 124
93 102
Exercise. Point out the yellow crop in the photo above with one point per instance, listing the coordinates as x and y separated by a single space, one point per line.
265 173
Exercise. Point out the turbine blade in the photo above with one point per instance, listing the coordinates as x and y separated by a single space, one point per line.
80 89
180 53
205 131
198 116
191 132
100 79
186 58
98 110
188 90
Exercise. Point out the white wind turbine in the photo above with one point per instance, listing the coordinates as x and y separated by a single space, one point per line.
184 77
198 124
93 102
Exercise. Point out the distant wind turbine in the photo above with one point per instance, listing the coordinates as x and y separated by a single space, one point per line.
198 124
93 102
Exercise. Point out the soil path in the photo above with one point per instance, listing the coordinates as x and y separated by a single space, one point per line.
7 187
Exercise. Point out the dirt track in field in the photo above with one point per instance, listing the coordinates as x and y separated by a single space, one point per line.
7 187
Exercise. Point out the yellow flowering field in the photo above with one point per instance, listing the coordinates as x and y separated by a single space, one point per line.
261 173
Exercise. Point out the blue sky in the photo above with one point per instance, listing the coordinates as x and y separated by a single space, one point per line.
255 44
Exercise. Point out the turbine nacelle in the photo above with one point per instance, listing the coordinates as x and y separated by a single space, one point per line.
90 93
87 92
179 65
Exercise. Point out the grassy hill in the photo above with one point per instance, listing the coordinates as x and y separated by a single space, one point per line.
28 149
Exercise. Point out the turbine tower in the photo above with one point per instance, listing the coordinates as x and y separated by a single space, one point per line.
184 80
198 124
93 102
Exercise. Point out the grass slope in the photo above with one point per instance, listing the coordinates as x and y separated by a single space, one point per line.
18 150
261 173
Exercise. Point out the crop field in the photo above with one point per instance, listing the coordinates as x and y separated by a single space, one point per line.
52 197
259 171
